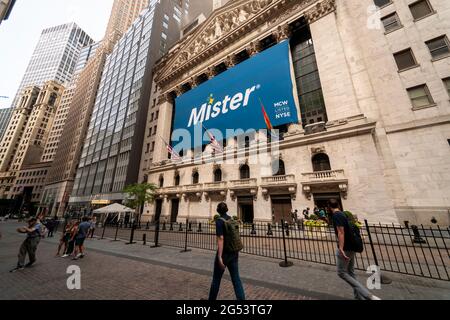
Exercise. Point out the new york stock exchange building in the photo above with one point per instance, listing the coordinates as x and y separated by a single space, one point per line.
276 105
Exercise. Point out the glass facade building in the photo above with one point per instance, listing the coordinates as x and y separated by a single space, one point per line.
55 56
113 145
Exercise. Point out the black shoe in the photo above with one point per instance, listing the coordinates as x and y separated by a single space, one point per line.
29 265
17 269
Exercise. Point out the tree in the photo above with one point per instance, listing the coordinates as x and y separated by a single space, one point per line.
139 194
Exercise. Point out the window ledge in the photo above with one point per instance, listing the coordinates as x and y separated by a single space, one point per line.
424 107
440 58
409 68
424 17
393 30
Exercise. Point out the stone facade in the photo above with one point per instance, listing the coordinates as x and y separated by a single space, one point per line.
389 160
22 174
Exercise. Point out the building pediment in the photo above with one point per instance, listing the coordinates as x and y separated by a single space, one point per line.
225 26
219 25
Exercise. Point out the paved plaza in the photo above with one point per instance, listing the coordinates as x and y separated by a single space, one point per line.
115 270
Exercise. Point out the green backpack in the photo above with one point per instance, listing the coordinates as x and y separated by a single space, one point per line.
232 238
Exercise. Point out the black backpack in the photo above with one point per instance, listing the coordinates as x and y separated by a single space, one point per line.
357 243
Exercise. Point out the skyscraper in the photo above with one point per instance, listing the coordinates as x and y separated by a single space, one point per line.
5 115
27 133
113 145
5 9
55 56
62 173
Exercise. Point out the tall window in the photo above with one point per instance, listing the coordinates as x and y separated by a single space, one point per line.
391 22
278 168
447 85
177 180
312 103
405 59
161 181
439 47
420 96
321 162
217 175
420 9
195 178
244 172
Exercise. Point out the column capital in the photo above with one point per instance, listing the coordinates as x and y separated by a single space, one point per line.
163 98
179 91
193 82
210 72
230 62
283 32
253 48
320 10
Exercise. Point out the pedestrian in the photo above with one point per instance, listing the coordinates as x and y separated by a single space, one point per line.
65 238
306 213
92 228
51 224
29 245
82 233
323 215
227 256
345 255
293 218
71 242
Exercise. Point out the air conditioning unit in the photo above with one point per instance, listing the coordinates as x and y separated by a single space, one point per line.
315 127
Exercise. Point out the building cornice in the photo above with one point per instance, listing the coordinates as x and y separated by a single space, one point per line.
356 127
228 25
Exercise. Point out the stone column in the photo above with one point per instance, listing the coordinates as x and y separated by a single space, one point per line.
164 127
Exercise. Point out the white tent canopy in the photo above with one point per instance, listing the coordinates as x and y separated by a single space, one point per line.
115 208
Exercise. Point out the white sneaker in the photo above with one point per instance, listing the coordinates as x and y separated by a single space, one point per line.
64 256
375 298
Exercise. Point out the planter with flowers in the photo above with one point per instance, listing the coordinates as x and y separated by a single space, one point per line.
315 228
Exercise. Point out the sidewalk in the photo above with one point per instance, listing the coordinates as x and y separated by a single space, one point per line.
309 279
303 279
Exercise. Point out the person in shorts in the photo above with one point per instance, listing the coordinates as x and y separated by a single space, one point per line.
82 233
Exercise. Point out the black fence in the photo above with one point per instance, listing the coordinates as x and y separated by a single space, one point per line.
411 250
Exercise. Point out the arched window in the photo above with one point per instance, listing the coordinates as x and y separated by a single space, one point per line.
278 168
177 180
321 162
247 142
244 172
195 178
217 175
161 181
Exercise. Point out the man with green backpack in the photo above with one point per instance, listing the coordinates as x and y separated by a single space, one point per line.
229 244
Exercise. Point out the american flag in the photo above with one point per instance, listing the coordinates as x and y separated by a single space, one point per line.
173 153
213 142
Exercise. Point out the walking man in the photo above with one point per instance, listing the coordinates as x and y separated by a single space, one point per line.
92 228
29 245
345 255
228 247
83 230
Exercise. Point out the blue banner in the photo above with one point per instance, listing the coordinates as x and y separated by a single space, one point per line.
255 94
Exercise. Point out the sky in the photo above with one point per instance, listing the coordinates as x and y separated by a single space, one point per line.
20 33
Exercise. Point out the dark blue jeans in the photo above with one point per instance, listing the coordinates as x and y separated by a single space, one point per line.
230 260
